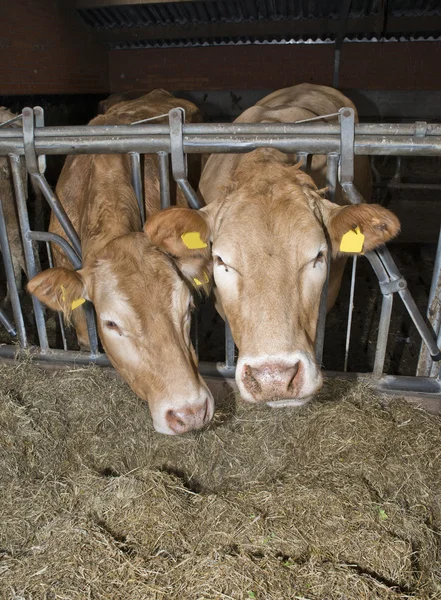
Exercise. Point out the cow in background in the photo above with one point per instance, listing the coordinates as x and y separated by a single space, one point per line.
140 282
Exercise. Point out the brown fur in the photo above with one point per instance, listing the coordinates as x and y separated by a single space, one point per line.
268 221
139 288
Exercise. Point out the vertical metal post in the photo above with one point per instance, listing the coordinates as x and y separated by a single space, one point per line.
10 278
135 163
383 333
59 315
40 180
229 347
350 312
331 175
164 180
178 158
31 262
425 362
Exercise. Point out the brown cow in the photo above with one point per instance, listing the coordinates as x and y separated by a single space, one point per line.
104 105
268 221
139 282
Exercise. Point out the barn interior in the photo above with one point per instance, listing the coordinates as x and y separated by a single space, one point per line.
340 500
67 56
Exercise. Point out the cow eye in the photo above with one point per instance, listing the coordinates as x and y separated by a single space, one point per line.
221 263
319 258
113 326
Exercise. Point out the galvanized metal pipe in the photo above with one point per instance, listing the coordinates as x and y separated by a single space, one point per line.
4 320
32 263
59 315
305 128
164 179
230 361
10 278
135 163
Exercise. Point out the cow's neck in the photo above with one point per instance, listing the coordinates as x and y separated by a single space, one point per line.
110 209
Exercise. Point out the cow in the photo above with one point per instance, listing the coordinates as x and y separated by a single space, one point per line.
139 281
269 222
110 101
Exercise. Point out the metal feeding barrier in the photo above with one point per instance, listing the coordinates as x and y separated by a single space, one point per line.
340 141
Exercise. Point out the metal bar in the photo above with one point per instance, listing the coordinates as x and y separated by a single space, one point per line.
39 122
33 169
433 313
28 248
164 179
179 158
160 129
409 186
45 236
135 162
383 334
331 174
4 320
230 362
59 314
10 278
424 331
390 383
350 312
201 144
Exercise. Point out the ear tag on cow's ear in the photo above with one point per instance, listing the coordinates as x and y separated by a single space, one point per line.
78 302
193 240
352 241
206 279
75 303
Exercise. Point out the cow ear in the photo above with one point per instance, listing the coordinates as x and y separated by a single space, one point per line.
359 228
184 234
59 289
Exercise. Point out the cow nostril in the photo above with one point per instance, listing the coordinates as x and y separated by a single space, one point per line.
294 370
175 422
250 381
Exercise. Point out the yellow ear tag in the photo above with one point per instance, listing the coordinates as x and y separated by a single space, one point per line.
193 241
206 279
75 303
352 241
78 302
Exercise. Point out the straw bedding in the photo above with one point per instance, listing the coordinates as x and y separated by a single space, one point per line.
340 499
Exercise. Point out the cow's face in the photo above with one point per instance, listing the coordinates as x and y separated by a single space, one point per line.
143 300
270 257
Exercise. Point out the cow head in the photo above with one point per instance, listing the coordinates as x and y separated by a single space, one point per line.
141 286
269 233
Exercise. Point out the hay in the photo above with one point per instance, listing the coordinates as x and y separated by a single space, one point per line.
338 500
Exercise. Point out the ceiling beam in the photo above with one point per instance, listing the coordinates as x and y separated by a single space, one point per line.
298 27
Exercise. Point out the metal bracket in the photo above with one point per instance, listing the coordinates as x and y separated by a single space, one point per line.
392 286
178 158
420 128
347 136
39 122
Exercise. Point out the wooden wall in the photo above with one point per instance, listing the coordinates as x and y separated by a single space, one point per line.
379 66
45 49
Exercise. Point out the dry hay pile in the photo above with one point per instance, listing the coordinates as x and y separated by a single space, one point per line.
337 500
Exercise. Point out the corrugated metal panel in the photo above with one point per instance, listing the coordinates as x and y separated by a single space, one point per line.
175 14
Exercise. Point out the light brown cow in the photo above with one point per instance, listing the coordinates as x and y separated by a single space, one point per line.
268 222
7 197
139 282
